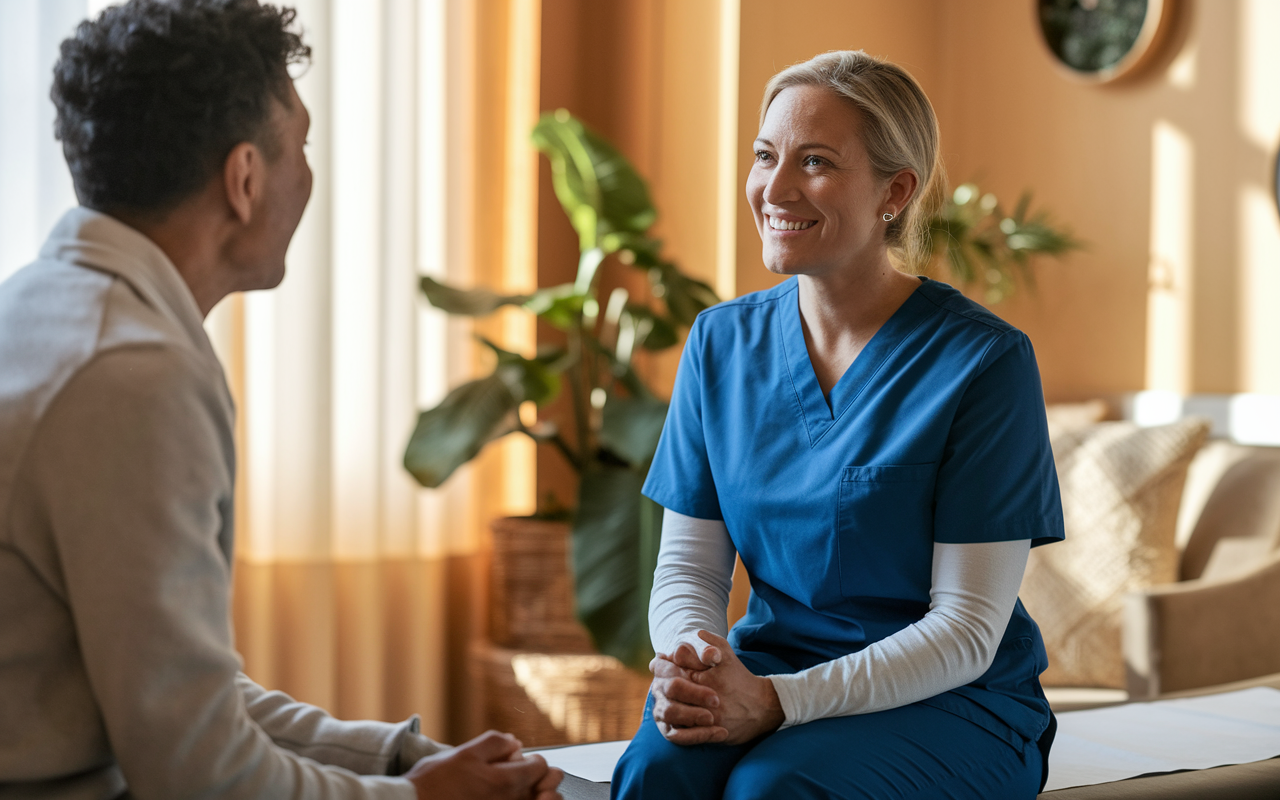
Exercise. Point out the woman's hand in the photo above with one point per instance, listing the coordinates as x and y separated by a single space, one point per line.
712 697
685 712
748 705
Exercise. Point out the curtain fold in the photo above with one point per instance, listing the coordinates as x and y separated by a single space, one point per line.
355 589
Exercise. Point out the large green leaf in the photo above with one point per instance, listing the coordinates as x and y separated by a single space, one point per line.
615 538
534 379
479 411
631 427
468 302
452 433
599 189
560 305
684 297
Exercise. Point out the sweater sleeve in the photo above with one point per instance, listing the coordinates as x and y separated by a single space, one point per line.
366 747
975 587
130 465
691 583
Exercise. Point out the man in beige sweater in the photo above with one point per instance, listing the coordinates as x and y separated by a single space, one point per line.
118 676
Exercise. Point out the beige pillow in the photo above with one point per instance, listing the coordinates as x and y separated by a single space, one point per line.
1121 486
1065 417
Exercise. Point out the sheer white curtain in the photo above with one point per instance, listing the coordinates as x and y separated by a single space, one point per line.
355 587
35 187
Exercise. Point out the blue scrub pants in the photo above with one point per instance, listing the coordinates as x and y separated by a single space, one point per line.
915 752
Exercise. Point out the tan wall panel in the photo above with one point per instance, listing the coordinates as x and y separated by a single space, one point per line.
1013 122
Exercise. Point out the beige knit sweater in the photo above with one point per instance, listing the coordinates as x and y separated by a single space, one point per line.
117 462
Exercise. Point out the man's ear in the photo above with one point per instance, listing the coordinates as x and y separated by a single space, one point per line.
242 176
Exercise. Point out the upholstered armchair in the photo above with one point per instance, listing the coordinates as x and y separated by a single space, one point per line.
1221 622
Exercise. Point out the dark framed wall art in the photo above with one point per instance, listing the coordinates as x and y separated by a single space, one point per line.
1098 41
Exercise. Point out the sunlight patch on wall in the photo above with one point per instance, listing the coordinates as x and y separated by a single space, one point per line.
1182 72
1259 66
1169 272
1259 324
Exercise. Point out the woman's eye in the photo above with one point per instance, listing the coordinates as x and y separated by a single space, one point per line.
812 161
763 155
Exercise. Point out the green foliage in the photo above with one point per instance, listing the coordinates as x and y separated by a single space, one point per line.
616 419
984 247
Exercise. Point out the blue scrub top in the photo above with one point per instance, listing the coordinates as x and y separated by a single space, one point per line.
936 433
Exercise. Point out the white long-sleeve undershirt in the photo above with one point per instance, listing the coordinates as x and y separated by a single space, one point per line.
973 592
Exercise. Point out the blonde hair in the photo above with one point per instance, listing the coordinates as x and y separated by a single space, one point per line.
899 131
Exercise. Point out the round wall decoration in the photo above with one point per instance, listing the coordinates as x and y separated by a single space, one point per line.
1101 40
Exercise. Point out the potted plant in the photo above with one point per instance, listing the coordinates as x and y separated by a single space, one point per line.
615 419
988 252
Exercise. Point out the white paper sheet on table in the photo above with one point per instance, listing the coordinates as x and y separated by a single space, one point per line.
1097 746
1111 744
591 761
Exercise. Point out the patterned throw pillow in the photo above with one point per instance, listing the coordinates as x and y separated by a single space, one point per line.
1121 487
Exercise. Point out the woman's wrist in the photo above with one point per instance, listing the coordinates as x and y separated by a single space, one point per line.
772 715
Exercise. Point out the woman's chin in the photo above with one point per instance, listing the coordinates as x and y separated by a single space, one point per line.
785 267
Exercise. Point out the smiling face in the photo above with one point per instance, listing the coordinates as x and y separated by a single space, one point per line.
816 202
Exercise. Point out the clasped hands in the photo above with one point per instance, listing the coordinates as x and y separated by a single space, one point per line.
707 696
491 766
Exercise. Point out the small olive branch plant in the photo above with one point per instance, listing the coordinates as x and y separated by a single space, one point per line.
983 248
615 419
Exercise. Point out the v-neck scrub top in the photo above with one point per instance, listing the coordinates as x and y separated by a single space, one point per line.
935 433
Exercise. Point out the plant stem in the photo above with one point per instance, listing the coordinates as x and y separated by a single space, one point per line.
567 452
581 404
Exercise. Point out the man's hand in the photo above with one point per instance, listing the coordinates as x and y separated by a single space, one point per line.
748 705
489 767
685 712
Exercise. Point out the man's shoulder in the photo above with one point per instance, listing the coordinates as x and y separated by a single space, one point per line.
58 321
57 316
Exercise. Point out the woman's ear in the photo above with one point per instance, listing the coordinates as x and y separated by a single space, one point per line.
242 177
902 187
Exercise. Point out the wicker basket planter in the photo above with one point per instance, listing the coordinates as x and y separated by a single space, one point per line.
530 589
542 679
559 698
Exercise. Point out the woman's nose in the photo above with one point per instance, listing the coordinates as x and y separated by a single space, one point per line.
781 185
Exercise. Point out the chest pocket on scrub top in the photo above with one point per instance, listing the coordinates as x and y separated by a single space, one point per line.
884 528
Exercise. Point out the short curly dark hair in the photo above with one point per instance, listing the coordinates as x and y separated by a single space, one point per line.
153 94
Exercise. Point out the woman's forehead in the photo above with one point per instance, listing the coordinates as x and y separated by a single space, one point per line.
811 113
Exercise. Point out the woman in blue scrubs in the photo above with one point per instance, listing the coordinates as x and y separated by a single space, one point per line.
874 446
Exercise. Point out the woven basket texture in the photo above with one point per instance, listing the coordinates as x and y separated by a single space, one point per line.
530 591
549 699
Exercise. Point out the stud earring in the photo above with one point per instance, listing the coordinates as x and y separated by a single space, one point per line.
887 217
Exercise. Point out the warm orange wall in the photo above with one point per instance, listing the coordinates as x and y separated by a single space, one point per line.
1013 122
1123 315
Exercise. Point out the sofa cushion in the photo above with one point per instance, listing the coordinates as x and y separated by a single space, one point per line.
1121 487
1065 417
